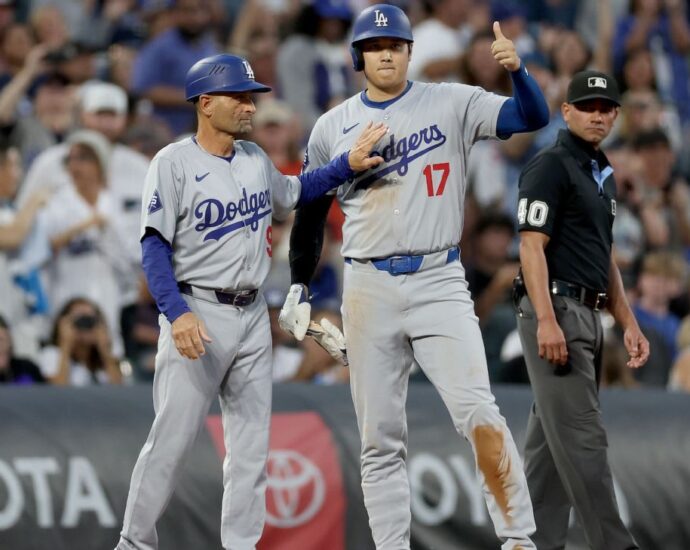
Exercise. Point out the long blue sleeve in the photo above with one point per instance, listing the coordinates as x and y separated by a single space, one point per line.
526 111
156 254
323 179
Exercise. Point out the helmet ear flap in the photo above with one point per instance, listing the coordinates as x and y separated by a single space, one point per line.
357 58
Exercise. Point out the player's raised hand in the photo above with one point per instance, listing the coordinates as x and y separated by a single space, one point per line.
358 157
189 334
503 50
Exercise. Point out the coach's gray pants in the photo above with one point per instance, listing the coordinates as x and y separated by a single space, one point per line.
565 448
236 368
427 317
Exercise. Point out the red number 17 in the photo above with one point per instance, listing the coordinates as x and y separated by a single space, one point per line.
444 168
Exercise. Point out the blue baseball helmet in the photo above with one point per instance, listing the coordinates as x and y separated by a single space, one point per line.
221 73
378 21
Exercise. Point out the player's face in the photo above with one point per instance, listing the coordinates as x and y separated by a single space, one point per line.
590 120
232 113
385 63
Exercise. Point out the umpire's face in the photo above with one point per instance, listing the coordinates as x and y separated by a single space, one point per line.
228 113
590 120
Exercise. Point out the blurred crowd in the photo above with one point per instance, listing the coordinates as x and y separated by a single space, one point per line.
90 90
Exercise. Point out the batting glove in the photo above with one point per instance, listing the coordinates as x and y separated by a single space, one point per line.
329 337
296 312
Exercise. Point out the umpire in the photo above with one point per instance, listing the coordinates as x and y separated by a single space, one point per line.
566 208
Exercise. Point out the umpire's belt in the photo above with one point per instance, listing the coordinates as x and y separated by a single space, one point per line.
240 298
400 265
586 296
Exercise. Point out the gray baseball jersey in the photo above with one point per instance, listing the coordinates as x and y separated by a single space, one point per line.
413 203
217 212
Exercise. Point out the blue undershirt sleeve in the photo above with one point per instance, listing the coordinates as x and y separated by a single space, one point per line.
320 181
526 111
156 254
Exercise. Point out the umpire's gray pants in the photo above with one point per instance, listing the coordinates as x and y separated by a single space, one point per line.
565 448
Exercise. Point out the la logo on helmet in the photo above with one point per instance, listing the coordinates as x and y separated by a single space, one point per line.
248 70
380 19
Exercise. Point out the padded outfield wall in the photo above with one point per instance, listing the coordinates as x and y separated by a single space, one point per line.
66 456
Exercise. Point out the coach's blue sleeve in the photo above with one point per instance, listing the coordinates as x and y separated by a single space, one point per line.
320 181
526 111
156 259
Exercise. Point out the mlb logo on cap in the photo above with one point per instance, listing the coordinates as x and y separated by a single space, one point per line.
596 82
587 85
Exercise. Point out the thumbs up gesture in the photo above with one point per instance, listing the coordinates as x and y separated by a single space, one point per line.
503 50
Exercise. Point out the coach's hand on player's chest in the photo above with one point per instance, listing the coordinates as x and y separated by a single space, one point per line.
358 156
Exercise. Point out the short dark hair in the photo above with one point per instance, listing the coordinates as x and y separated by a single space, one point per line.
651 138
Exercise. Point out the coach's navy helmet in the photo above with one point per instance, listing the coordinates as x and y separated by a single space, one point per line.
378 21
221 73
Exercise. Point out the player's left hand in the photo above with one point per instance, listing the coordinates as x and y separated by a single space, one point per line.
330 338
503 50
296 312
358 157
637 346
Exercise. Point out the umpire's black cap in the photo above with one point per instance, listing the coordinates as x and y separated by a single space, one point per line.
593 85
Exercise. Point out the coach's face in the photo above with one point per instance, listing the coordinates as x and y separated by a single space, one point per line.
590 120
385 63
229 113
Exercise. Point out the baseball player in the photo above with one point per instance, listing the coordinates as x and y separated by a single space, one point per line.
206 248
405 298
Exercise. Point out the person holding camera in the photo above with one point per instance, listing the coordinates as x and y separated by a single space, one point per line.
566 209
81 352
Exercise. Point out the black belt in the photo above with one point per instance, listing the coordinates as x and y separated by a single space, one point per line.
586 296
240 298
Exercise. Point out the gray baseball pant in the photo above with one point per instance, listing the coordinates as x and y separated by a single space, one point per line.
565 449
428 317
237 369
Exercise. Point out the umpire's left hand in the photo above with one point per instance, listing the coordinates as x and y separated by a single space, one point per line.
637 346
189 334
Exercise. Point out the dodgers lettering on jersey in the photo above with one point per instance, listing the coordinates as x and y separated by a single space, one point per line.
217 213
412 203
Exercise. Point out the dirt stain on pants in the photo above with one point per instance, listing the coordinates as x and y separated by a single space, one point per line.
494 463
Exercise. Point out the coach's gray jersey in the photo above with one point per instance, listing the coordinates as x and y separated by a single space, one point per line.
413 202
217 212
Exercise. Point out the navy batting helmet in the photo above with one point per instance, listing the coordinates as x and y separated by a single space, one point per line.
221 73
378 21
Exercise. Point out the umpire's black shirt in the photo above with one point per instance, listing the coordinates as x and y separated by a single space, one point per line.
560 196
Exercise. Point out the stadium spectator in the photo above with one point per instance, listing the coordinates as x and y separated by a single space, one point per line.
314 69
83 225
662 277
23 247
80 352
439 41
160 68
679 379
278 132
665 194
661 26
15 370
103 108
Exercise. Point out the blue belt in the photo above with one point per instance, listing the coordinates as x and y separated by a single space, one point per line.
400 265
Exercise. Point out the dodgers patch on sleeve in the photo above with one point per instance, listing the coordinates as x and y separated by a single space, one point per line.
155 203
